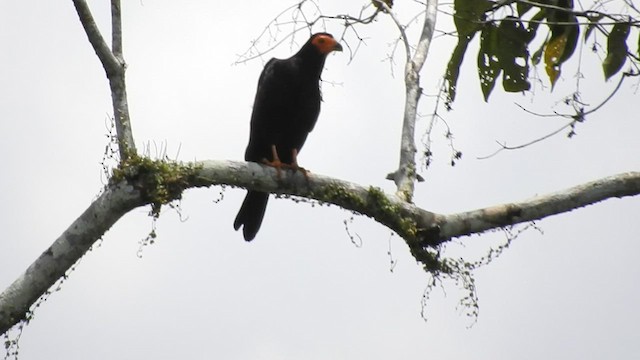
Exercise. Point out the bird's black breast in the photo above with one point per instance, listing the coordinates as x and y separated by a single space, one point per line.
286 108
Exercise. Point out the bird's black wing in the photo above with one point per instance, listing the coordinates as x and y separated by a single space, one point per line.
271 109
286 107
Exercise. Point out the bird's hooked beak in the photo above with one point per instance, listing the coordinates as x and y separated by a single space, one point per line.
325 43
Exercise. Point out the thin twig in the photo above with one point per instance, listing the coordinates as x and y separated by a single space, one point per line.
578 117
615 90
401 28
505 147
348 20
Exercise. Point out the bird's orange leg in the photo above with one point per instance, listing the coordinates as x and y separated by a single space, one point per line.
276 163
296 167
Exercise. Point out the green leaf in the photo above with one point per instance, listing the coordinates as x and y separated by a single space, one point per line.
573 33
535 58
564 23
561 45
453 69
488 60
469 15
523 8
513 55
593 22
552 54
558 17
616 49
618 35
535 22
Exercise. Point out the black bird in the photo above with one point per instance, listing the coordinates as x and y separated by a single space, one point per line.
285 109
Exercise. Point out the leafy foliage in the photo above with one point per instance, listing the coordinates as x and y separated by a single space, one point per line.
505 40
617 49
488 60
470 16
503 50
379 6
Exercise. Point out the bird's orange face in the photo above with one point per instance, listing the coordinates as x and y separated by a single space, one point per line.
326 43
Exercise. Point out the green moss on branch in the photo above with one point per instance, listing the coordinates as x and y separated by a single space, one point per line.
159 181
376 204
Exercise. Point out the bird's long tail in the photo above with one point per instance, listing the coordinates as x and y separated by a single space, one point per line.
251 214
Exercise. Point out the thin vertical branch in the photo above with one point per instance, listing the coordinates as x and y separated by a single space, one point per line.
406 175
116 30
427 34
401 28
114 66
109 62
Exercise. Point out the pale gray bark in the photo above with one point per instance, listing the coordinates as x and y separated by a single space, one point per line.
431 228
109 62
65 251
539 207
405 176
114 66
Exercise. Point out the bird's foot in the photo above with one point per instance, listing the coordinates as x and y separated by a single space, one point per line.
276 163
279 165
304 171
297 167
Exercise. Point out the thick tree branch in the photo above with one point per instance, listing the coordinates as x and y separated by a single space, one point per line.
114 66
539 207
413 223
402 217
65 251
147 181
406 175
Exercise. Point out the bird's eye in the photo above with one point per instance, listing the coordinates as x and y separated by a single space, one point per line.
321 41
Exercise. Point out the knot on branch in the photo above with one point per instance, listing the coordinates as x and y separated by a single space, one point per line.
158 181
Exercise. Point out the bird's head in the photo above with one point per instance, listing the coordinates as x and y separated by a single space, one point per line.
325 43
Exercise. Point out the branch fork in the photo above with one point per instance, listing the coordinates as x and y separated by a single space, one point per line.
114 65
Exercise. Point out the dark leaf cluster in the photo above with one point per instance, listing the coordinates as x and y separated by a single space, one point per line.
508 28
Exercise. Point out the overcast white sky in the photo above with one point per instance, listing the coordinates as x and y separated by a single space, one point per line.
302 290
